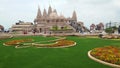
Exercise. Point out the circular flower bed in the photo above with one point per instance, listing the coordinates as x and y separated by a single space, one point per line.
109 54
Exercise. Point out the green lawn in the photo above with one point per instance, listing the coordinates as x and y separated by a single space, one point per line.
72 57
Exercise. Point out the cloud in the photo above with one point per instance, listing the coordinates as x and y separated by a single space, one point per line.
116 3
97 2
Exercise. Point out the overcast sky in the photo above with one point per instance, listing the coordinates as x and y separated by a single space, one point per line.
88 11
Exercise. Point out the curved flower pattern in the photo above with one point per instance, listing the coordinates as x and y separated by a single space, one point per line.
58 43
110 54
16 42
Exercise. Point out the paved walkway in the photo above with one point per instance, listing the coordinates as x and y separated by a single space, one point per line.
62 34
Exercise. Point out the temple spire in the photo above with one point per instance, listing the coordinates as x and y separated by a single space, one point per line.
55 11
39 15
44 13
49 10
74 16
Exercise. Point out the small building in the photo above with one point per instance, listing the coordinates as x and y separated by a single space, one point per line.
1 28
22 27
99 28
92 27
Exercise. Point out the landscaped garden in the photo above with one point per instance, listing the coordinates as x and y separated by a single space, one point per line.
60 42
68 57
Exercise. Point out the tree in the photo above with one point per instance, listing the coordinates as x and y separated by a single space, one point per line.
119 29
110 30
55 28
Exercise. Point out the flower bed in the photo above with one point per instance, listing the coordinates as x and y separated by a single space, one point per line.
60 42
16 42
64 43
110 54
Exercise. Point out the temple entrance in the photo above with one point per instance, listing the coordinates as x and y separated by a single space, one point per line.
40 30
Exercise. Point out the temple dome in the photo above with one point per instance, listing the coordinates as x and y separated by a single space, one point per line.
61 16
53 15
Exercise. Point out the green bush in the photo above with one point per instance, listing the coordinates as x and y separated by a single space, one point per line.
109 30
55 28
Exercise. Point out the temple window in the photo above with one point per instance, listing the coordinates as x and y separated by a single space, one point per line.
48 21
57 20
62 20
62 27
53 20
43 19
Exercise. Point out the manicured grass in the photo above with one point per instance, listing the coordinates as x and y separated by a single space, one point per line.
72 57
